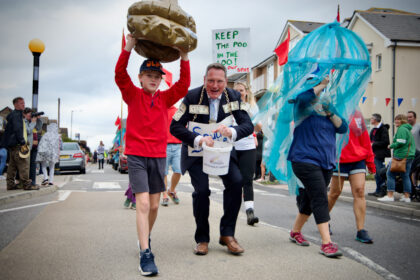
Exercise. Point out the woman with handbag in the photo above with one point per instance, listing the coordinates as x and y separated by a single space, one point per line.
404 150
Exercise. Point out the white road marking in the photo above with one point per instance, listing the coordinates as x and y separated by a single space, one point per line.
216 190
81 180
259 191
371 264
27 206
106 185
98 171
63 195
273 194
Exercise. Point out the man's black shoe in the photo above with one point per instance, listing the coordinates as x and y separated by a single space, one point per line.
251 219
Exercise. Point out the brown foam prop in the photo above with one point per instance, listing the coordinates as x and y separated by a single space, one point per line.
160 26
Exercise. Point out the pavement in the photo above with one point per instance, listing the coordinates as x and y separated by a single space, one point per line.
75 239
16 195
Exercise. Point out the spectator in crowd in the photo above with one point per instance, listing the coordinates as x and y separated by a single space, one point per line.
354 158
15 138
379 138
3 149
49 153
95 157
173 158
33 125
101 156
404 147
247 152
312 155
411 119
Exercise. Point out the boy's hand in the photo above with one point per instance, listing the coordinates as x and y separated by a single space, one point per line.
184 55
131 42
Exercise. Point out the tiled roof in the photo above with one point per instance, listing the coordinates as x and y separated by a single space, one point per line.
306 26
395 26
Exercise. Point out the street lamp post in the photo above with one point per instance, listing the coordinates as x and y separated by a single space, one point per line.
36 46
71 123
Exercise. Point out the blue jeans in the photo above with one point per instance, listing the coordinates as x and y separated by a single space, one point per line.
405 177
379 164
3 158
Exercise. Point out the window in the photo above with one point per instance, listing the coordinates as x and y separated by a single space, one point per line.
70 147
378 62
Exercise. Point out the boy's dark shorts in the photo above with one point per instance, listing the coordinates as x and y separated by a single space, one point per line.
347 169
146 174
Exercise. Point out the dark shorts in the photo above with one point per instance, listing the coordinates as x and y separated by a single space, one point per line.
347 169
146 174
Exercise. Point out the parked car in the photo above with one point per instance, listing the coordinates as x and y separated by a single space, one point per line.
123 166
72 157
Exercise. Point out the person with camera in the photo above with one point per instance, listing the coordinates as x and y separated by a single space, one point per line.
33 122
15 138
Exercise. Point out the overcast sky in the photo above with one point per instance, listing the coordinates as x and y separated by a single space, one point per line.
83 42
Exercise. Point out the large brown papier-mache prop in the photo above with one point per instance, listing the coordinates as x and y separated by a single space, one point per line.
159 26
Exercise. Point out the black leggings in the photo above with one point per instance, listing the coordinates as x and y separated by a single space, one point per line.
246 162
313 198
101 163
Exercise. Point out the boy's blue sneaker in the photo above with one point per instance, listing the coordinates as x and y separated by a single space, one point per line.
147 265
363 236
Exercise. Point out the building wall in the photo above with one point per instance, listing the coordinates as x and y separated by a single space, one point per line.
407 81
380 85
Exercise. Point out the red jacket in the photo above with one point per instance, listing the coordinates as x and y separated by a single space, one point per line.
172 139
359 146
147 125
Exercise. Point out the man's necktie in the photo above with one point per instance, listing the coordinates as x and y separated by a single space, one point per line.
213 115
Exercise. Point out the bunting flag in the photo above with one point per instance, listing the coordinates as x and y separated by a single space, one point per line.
375 100
413 102
282 51
118 121
400 100
338 13
123 41
387 101
363 99
167 77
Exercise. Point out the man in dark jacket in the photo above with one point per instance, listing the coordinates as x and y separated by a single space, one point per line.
212 103
379 137
15 139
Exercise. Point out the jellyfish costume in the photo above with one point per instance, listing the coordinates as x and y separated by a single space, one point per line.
331 51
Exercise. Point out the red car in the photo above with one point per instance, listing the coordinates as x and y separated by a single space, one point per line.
122 164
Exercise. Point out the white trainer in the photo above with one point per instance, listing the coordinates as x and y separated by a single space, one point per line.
405 199
386 198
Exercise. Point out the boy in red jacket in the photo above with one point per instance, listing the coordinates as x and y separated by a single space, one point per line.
355 156
147 123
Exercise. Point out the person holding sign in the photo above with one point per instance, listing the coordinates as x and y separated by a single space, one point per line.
147 123
247 151
212 104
